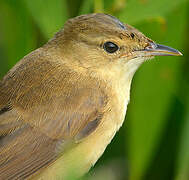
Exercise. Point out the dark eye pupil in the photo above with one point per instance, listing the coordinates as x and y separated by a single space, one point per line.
110 47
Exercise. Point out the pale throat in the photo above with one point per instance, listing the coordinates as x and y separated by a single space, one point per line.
123 73
123 81
119 75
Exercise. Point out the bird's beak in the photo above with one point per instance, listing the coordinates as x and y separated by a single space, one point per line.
160 50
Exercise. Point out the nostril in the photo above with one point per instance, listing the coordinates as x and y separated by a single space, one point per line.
151 45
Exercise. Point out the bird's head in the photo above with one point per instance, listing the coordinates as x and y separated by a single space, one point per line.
102 41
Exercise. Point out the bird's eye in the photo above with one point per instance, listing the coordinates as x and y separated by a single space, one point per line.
110 47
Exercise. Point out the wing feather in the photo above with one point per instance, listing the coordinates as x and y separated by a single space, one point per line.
50 107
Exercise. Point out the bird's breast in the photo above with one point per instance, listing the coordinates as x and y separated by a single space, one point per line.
94 145
87 152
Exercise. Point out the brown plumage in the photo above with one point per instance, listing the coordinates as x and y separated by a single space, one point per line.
62 104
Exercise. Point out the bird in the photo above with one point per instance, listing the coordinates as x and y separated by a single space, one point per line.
61 105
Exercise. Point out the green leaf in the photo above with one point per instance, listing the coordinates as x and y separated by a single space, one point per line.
182 166
86 7
98 6
183 156
73 7
49 15
152 91
18 35
114 7
139 10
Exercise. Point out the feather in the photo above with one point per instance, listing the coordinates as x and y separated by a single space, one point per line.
43 117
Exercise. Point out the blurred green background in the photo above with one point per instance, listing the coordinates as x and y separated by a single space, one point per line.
153 143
